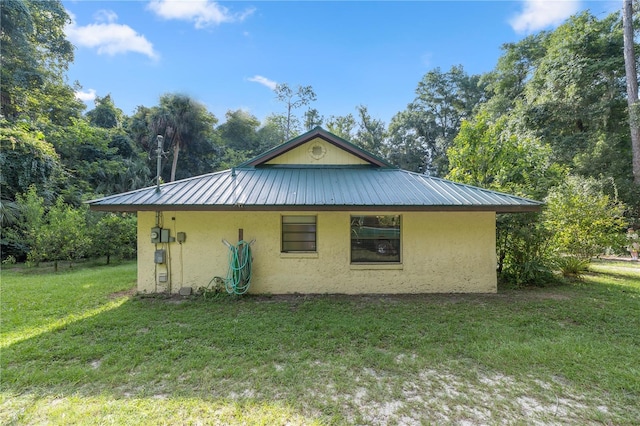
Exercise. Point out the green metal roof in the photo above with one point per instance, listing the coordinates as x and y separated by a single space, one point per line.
315 188
376 185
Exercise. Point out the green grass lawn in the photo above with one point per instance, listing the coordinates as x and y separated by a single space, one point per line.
78 348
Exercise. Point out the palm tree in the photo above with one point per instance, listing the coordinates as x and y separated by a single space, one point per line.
182 121
9 212
133 175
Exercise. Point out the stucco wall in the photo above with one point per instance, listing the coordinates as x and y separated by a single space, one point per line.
441 252
329 154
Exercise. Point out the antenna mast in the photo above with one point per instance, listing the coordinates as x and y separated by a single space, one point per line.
159 153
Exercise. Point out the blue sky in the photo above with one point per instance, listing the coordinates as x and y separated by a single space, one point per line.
228 55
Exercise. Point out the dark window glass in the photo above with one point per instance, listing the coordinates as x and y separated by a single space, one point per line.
298 233
375 239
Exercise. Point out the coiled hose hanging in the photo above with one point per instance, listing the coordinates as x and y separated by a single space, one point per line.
239 275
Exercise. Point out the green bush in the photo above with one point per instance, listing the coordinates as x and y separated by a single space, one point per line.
582 220
19 236
114 235
572 266
524 255
26 159
62 236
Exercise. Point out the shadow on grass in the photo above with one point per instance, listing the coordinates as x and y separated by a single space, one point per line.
327 359
125 360
47 268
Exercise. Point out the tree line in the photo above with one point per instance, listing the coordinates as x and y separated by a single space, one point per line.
549 122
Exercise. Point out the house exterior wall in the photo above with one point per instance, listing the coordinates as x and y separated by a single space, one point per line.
442 252
325 154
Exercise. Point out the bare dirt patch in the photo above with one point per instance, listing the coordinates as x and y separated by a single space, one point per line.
295 300
124 293
442 396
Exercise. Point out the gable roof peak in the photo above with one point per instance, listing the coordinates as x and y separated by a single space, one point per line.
318 132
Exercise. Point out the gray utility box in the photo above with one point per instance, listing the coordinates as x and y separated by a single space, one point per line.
160 235
155 235
160 256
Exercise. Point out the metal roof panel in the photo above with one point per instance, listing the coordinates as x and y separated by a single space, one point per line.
314 187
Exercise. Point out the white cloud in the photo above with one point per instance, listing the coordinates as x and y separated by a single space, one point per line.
202 13
108 37
539 14
105 15
87 96
264 81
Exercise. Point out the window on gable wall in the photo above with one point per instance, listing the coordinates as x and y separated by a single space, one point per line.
375 239
298 233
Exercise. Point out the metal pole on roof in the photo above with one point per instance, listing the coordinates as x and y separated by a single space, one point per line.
159 153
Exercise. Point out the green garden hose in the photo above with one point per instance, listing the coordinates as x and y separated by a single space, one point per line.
239 276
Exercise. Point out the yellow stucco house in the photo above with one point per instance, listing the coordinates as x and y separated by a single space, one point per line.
323 216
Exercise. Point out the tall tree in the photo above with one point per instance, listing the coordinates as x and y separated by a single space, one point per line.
505 85
34 56
443 100
27 159
406 148
371 133
20 239
497 155
632 86
293 99
183 122
272 132
62 236
105 114
312 119
138 127
494 155
27 162
88 158
240 131
575 99
113 235
342 125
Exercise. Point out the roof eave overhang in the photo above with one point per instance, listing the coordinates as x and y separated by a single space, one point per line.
394 208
